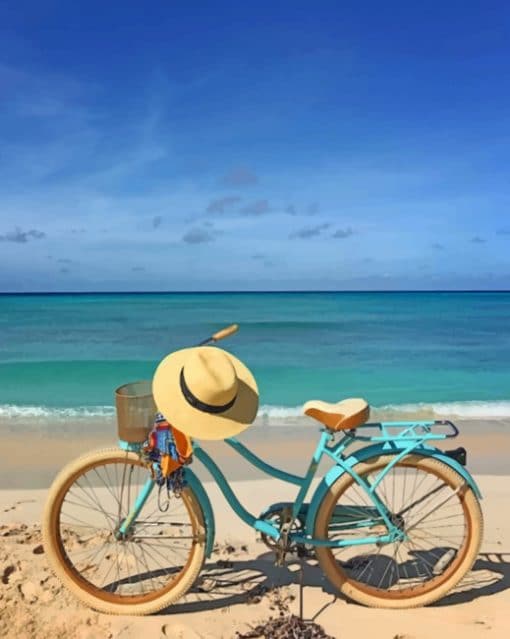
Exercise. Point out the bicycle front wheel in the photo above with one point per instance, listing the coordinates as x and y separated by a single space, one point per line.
435 508
150 567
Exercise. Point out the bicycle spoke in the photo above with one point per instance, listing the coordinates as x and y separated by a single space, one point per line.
419 502
155 549
84 523
90 499
98 510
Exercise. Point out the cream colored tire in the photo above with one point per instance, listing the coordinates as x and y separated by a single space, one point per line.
410 598
92 596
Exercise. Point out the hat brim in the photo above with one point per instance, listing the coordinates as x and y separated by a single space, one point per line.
192 421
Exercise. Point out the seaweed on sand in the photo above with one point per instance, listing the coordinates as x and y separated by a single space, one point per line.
286 627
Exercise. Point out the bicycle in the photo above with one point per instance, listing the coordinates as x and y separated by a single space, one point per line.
396 523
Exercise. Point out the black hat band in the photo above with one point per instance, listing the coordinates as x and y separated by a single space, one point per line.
202 406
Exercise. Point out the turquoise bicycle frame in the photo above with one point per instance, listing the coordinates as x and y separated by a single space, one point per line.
411 438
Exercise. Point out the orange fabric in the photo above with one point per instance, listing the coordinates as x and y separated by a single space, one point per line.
183 445
169 465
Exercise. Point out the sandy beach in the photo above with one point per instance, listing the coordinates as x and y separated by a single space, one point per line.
54 444
243 587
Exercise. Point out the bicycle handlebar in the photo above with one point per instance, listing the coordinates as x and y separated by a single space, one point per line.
221 334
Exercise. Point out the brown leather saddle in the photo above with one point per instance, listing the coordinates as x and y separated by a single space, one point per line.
344 415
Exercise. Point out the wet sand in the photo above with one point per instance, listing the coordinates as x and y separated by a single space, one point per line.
31 455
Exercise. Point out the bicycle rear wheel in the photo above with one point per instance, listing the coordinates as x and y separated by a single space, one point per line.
152 567
431 503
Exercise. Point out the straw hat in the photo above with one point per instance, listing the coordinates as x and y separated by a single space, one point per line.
205 392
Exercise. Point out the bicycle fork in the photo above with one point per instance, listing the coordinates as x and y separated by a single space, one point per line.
125 526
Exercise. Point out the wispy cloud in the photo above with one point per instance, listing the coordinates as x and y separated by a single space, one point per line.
240 176
56 110
309 209
259 207
309 232
342 234
478 240
197 236
68 162
222 204
21 237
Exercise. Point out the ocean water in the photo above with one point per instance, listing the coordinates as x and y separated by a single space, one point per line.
62 356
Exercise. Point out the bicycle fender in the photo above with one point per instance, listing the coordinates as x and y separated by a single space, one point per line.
377 450
205 503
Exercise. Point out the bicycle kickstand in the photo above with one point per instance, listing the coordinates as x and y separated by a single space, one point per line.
301 556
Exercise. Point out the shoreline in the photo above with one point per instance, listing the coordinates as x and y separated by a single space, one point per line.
32 455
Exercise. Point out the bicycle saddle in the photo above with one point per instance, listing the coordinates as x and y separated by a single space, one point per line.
343 415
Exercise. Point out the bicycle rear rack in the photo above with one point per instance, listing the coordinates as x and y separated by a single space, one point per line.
406 431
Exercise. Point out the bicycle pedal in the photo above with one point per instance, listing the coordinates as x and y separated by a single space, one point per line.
304 553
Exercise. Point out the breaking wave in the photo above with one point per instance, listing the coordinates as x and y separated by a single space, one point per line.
441 410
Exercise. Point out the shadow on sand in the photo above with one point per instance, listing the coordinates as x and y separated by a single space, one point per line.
226 583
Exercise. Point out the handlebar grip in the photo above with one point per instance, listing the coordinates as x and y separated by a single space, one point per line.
225 332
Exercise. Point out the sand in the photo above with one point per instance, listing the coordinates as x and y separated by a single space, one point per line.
44 449
246 587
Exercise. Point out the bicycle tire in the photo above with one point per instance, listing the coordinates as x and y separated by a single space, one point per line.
54 536
337 572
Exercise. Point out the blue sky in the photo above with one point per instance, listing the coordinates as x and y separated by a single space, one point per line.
218 146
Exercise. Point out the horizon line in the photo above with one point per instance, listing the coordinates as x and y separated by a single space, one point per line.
262 292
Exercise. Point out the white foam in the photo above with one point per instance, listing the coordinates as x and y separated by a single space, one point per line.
469 409
280 412
474 409
45 412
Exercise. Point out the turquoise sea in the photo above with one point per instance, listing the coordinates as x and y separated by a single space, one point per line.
439 353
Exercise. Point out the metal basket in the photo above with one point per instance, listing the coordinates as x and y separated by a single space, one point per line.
136 411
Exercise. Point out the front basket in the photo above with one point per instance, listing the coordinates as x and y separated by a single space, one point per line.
136 411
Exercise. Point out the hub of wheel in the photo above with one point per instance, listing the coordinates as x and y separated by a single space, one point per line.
398 521
123 536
